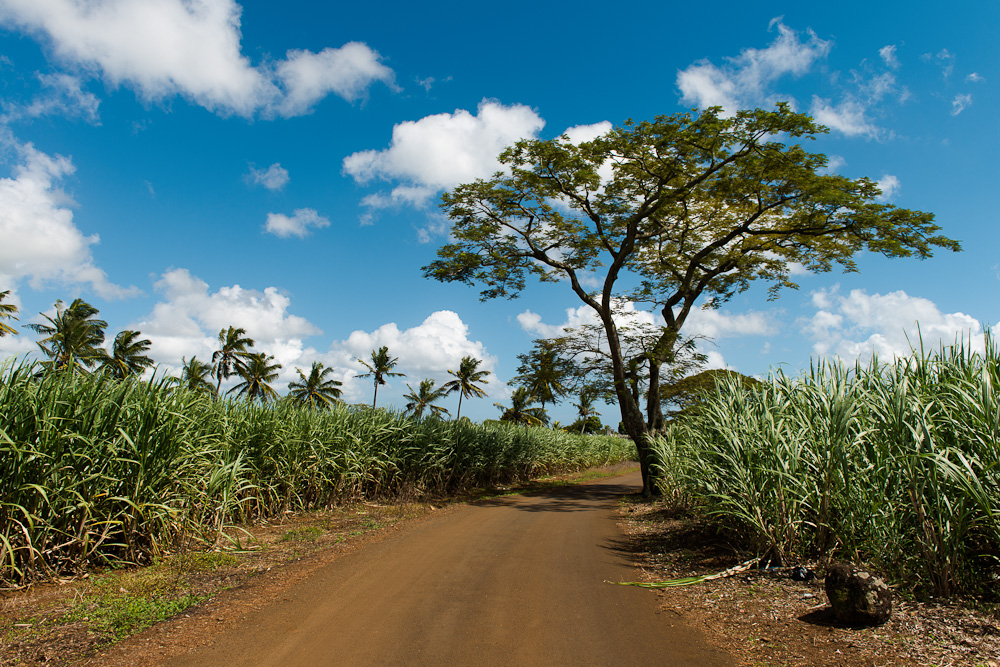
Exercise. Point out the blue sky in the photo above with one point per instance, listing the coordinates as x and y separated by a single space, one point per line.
186 165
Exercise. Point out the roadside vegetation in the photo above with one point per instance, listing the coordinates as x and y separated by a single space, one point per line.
96 471
892 464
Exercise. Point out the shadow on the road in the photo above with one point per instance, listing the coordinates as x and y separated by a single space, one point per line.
573 498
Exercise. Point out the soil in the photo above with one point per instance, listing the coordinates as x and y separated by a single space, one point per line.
431 583
767 618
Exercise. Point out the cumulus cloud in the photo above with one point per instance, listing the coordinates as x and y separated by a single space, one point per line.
890 186
298 225
16 344
427 350
744 81
191 48
40 241
187 321
975 78
348 72
441 151
274 177
859 325
579 134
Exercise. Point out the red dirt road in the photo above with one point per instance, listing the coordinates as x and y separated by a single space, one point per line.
517 580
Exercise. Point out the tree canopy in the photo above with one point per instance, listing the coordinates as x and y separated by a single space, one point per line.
466 381
675 212
380 368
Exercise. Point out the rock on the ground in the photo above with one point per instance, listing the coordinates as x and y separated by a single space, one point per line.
857 596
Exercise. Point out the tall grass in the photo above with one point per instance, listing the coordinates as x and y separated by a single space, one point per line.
895 464
96 471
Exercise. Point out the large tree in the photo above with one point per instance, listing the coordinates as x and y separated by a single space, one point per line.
128 355
676 212
235 347
73 338
380 368
316 390
467 377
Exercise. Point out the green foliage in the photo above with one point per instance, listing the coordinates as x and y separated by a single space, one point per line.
380 368
544 373
697 208
95 471
73 337
317 390
234 348
894 464
8 311
466 380
194 376
520 410
687 393
257 372
128 355
424 398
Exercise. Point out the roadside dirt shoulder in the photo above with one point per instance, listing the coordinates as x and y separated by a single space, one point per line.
765 619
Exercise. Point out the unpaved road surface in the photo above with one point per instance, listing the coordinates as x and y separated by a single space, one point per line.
518 580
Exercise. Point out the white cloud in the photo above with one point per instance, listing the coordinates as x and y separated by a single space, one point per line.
441 151
744 81
848 117
191 48
348 71
716 324
427 350
858 325
975 78
40 241
888 54
274 177
187 321
299 224
890 187
62 95
960 103
579 134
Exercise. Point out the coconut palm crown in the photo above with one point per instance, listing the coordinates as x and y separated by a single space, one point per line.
316 390
424 398
73 337
520 410
128 355
8 311
465 381
257 372
380 368
234 348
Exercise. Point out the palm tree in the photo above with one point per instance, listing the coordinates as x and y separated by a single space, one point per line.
316 390
234 347
585 408
543 372
465 381
127 355
7 312
520 411
195 374
73 337
381 368
424 398
257 371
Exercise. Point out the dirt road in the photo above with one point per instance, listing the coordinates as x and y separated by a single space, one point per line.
517 580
